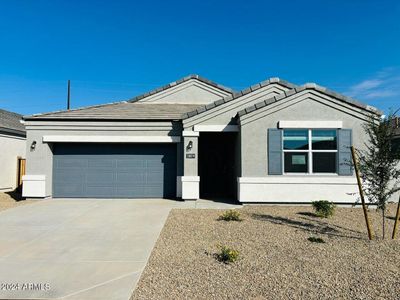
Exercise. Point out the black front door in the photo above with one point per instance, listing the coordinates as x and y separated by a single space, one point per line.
217 167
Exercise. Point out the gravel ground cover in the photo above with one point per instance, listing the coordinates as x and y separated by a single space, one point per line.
12 199
277 261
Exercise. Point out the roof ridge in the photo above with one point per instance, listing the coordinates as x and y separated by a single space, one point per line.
240 94
309 86
179 81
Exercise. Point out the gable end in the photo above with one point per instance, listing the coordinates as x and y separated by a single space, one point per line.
230 98
311 87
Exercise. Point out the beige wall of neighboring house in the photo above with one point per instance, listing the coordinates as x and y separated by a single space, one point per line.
11 147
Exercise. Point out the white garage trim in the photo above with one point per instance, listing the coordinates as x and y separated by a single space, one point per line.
110 139
34 186
310 124
190 133
190 187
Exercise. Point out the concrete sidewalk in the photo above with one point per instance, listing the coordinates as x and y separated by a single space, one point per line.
86 249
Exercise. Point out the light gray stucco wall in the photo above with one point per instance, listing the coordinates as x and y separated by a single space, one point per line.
301 107
11 147
190 165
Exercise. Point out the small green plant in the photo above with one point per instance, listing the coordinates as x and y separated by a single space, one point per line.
230 215
227 255
314 239
323 208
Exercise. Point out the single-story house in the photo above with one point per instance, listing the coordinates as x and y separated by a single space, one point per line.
12 147
193 138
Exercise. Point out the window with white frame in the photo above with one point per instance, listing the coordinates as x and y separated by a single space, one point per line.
310 151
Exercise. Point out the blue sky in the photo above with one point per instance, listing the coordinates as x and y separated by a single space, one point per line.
114 50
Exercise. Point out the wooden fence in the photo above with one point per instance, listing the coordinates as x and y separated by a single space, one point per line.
21 163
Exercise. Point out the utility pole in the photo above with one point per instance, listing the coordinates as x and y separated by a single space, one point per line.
69 95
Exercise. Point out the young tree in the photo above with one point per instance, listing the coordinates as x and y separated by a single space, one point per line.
379 163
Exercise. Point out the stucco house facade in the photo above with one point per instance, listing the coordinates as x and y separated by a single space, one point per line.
12 146
191 139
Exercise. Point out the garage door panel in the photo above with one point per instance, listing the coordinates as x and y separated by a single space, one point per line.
100 178
130 162
72 163
69 176
125 192
114 170
123 179
99 192
66 189
154 178
99 162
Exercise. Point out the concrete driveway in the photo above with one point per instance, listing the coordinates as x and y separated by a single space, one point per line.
86 249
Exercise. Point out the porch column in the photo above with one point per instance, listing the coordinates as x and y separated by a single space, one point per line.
190 179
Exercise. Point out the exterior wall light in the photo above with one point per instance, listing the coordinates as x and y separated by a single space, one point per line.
33 145
189 146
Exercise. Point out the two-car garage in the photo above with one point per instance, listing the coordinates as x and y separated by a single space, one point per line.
114 170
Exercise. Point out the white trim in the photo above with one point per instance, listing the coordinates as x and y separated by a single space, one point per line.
297 179
190 187
34 186
34 177
304 189
190 133
310 124
111 139
190 178
216 128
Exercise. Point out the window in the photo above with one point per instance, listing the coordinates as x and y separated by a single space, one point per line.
310 151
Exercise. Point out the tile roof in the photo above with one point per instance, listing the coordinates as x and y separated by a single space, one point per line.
309 86
10 122
125 109
121 111
253 88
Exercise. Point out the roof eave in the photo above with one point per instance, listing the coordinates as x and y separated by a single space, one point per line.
100 119
10 131
315 87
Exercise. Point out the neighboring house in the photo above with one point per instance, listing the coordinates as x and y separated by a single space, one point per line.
272 142
12 146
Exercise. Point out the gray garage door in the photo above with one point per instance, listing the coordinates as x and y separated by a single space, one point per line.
114 170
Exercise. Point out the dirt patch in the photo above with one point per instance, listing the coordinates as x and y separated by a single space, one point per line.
12 199
277 261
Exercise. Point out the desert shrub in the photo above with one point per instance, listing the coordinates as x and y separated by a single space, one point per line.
314 239
323 208
230 215
227 255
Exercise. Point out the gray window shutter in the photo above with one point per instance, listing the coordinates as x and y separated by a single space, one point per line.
344 152
275 152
